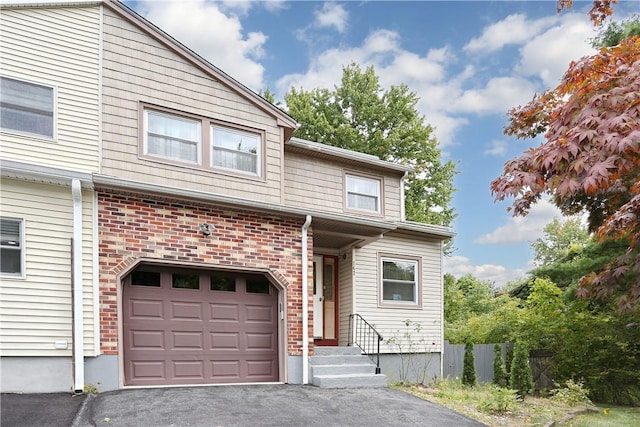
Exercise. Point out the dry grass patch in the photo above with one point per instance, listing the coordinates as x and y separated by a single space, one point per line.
482 403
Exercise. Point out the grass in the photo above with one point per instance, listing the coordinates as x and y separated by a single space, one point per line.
530 412
608 417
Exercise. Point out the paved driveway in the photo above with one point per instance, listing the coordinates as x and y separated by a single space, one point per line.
264 405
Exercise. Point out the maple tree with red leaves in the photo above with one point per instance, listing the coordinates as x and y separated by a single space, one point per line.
590 160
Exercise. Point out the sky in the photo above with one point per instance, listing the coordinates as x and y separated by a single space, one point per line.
469 62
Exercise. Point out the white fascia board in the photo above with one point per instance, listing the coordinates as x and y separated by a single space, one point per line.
346 154
44 174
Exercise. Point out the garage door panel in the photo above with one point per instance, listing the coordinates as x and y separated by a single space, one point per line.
148 369
260 341
186 340
260 369
183 310
225 341
188 369
224 312
146 309
259 313
225 370
146 340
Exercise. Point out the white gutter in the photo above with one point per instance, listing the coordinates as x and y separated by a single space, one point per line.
305 302
76 281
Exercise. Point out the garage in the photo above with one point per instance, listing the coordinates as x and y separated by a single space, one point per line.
199 327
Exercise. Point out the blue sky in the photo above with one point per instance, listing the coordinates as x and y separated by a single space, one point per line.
469 62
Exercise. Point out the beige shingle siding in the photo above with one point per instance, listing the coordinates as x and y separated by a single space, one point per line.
315 183
390 320
57 47
36 310
138 68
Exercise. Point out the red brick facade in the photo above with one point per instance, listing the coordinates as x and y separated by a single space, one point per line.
133 227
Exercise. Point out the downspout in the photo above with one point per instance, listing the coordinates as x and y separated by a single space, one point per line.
305 302
403 214
76 281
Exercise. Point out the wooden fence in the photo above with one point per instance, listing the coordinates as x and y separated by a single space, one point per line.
453 358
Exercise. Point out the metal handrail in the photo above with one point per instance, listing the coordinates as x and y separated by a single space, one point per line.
365 336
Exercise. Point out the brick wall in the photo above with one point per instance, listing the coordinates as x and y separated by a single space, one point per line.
133 227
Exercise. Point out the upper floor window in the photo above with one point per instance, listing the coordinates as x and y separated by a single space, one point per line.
400 281
177 138
233 149
11 246
26 107
363 193
172 137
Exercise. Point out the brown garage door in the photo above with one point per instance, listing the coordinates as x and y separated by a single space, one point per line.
199 328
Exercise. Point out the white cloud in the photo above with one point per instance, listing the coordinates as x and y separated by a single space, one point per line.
548 55
274 5
522 229
497 147
332 15
458 266
214 35
499 94
514 29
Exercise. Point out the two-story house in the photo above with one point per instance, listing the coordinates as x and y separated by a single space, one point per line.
160 224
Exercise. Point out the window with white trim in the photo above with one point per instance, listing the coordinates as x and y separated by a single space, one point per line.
11 247
172 137
236 150
400 281
26 107
363 193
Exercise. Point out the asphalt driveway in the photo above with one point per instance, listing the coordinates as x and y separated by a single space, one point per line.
261 405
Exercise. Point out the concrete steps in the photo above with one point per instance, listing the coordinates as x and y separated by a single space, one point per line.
343 367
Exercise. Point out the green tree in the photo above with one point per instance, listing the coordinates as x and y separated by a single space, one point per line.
359 115
615 32
561 239
468 368
521 379
499 371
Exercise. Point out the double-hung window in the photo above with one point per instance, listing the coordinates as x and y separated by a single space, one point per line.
235 150
400 281
11 251
363 193
172 137
183 139
26 107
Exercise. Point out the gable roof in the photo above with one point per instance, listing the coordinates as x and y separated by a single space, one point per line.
148 27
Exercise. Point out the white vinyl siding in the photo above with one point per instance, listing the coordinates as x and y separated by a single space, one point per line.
36 309
59 50
316 183
141 71
389 320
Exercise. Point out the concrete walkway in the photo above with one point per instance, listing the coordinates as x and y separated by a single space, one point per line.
226 406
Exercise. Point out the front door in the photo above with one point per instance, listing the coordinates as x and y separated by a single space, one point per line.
325 300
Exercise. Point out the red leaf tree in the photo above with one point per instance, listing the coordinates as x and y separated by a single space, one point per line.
590 159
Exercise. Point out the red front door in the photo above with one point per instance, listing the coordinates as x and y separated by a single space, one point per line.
325 291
